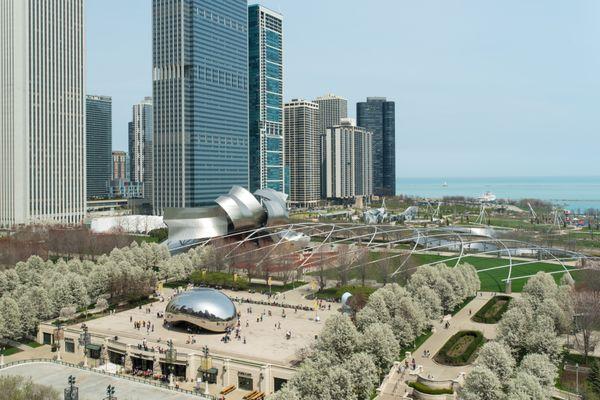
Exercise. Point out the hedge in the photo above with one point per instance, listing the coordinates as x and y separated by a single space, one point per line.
220 279
423 388
480 315
465 358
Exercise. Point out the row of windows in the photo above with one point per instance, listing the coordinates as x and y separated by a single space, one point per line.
225 21
273 55
274 71
273 39
274 114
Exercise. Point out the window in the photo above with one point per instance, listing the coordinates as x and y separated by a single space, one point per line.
274 144
273 38
273 158
273 114
274 173
69 346
274 100
274 55
273 85
273 70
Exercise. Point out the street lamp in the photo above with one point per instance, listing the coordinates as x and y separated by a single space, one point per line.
171 357
58 335
72 392
84 340
577 377
110 393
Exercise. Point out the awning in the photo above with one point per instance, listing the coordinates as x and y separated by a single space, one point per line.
95 347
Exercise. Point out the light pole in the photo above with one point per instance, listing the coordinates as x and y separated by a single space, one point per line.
72 392
577 377
84 340
110 393
205 351
171 357
58 335
2 355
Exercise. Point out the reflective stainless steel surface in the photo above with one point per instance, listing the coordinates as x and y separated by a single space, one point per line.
206 308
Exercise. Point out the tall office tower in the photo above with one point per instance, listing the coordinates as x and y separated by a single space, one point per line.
378 116
200 94
119 165
140 146
265 48
332 109
302 150
347 161
42 112
98 133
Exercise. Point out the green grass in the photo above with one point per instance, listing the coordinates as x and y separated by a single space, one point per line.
9 350
30 343
276 288
337 292
423 388
481 316
466 356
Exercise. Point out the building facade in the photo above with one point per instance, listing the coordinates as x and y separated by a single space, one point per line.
347 161
119 165
267 141
140 146
378 115
200 95
98 125
332 109
42 112
302 150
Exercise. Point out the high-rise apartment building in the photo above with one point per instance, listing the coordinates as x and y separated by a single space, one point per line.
140 146
265 50
119 165
98 133
42 112
332 109
347 161
200 94
378 116
302 150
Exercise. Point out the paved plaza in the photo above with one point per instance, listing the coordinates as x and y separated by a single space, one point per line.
92 385
265 340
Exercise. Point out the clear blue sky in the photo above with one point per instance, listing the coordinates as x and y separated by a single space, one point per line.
482 87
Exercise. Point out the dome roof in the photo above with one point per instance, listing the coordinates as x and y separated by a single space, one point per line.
206 308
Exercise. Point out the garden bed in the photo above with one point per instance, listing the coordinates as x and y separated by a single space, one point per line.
460 349
493 310
423 388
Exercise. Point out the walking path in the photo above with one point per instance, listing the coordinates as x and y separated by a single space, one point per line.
395 388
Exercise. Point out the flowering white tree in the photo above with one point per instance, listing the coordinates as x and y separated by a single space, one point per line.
102 303
542 368
526 387
375 311
429 301
481 384
539 287
67 312
339 338
11 327
379 342
363 373
286 393
498 359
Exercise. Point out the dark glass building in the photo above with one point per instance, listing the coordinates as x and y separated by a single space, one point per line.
377 115
265 47
200 93
98 145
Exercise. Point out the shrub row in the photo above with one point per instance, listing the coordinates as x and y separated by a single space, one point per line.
220 279
423 388
480 315
442 356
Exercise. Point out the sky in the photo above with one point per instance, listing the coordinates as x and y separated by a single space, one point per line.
482 87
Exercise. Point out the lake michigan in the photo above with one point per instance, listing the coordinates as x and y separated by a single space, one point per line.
573 193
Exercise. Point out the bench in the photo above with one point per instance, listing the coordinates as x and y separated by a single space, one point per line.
250 396
228 389
257 396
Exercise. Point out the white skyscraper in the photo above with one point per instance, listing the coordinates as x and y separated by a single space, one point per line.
42 112
302 149
347 163
140 145
332 109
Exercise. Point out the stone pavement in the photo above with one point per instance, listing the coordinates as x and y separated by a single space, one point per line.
92 385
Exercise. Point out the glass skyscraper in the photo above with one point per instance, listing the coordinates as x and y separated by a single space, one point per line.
200 93
140 146
265 46
98 133
377 115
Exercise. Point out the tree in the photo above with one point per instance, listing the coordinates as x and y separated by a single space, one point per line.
527 387
429 300
19 388
539 287
379 342
102 303
587 319
541 367
286 393
12 326
497 358
593 379
363 373
339 338
481 384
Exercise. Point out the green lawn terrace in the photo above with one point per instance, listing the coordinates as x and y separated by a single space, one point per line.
493 271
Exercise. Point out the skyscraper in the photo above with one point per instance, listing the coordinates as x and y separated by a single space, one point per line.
332 109
378 116
347 161
42 104
119 167
265 47
200 93
302 150
140 146
98 135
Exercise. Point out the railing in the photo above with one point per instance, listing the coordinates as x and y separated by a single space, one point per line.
119 376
